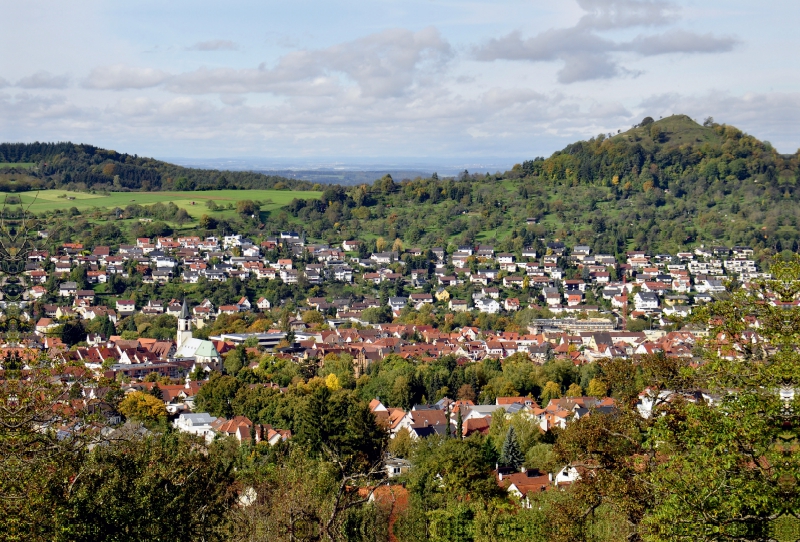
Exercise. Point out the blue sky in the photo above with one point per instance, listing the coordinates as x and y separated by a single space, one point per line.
394 80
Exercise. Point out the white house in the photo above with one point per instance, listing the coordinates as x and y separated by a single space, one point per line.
645 301
487 305
196 424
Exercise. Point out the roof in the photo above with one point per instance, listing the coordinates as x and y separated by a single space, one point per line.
184 314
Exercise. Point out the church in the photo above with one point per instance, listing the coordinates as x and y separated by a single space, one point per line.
203 352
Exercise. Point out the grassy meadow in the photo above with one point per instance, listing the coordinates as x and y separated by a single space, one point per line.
194 202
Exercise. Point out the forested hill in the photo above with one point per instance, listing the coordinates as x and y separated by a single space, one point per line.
662 186
673 153
82 167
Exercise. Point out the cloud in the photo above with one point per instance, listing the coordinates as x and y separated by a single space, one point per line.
382 65
121 76
588 55
613 14
43 79
3 83
681 41
214 45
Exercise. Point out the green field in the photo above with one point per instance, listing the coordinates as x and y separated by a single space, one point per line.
193 202
19 165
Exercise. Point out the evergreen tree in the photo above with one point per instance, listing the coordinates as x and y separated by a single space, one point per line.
511 456
459 424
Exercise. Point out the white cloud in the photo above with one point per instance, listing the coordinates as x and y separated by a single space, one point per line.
614 14
382 65
587 55
43 79
214 45
121 77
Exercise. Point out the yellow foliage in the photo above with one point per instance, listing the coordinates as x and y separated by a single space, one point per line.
143 407
332 382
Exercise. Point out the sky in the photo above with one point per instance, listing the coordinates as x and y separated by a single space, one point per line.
406 81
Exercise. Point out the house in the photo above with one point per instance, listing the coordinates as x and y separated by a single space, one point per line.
487 305
418 300
263 304
524 484
67 289
350 246
126 307
44 325
645 301
458 305
397 303
199 424
238 427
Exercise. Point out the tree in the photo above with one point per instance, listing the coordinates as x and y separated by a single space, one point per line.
156 392
466 393
550 391
540 457
216 396
401 444
143 407
73 332
332 382
596 388
511 456
235 360
141 484
246 207
574 390
313 317
380 244
208 223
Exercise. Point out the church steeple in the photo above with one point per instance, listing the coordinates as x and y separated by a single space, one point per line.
184 325
184 315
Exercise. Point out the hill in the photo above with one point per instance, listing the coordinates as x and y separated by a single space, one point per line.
662 186
32 166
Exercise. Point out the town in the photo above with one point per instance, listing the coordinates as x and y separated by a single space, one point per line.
466 304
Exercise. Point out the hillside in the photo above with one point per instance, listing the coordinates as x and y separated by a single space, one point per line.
662 186
31 166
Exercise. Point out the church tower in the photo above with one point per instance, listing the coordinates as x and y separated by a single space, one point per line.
184 326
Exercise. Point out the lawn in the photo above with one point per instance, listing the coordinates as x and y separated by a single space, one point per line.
17 165
193 202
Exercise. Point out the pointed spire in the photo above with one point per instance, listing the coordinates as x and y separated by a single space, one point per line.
184 315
